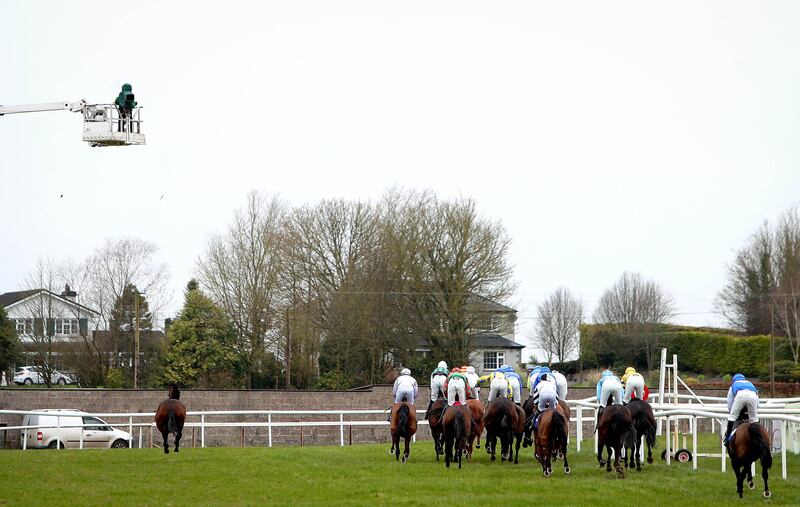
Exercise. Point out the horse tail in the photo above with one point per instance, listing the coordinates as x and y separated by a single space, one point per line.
172 426
758 440
402 420
558 426
458 426
650 433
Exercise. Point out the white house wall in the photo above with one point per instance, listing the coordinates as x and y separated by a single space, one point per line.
36 306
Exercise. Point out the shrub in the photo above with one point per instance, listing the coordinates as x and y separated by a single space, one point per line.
114 378
727 378
333 380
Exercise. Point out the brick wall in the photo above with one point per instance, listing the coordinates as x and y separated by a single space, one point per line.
111 400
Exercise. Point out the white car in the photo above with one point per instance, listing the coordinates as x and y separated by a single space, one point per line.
29 375
95 433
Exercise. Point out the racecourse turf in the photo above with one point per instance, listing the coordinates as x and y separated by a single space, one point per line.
364 475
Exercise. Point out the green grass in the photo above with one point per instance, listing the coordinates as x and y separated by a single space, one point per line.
363 474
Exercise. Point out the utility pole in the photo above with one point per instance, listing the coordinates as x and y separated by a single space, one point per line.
772 352
136 340
288 352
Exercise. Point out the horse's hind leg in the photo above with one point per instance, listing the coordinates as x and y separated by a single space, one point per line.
516 454
765 476
165 436
740 474
406 450
178 436
750 483
566 463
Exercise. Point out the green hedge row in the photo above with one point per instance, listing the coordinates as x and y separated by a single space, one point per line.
702 350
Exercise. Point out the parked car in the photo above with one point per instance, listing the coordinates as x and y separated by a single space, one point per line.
29 375
96 432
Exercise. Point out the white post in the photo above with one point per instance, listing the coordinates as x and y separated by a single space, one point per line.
25 439
80 445
661 379
579 429
341 429
269 428
202 430
675 377
668 440
130 431
783 449
722 446
140 437
58 435
694 442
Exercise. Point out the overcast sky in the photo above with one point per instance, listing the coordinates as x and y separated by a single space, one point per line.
606 136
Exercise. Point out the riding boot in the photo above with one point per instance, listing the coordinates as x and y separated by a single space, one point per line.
728 432
599 415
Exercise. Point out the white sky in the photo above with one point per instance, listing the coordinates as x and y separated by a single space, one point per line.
606 136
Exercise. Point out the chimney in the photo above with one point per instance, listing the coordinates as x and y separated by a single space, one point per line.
69 293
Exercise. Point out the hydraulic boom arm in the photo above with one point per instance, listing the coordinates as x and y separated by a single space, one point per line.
75 107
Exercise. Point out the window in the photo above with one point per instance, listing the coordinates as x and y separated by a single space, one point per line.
24 326
67 326
493 360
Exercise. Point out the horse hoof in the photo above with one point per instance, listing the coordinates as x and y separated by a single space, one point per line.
560 455
494 458
650 460
478 445
767 494
751 485
177 450
166 451
567 470
546 473
405 458
391 451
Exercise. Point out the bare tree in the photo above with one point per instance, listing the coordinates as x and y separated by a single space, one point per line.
40 312
557 321
785 296
241 272
635 307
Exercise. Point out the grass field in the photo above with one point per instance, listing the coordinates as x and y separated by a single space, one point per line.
364 475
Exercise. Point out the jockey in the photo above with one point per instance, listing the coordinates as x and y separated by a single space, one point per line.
473 380
498 384
634 382
546 393
609 387
742 394
457 384
538 378
532 376
405 387
514 382
438 379
561 384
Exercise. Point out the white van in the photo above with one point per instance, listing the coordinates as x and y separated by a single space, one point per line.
96 432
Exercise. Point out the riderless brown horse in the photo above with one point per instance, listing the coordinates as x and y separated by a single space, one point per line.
644 422
434 417
749 443
614 432
403 421
170 416
500 419
476 410
551 438
457 422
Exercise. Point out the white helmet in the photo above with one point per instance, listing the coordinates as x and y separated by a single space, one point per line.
442 364
405 371
470 369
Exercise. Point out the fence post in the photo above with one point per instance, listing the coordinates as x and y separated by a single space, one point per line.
594 412
668 435
722 445
203 430
783 449
269 428
579 429
130 431
58 435
341 429
80 445
140 437
694 442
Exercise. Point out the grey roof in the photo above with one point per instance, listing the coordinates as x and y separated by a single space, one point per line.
488 305
481 341
485 341
10 298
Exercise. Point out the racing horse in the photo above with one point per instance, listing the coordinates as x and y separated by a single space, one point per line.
500 419
749 443
645 425
530 409
170 416
457 424
434 417
476 410
518 431
403 424
551 439
614 431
